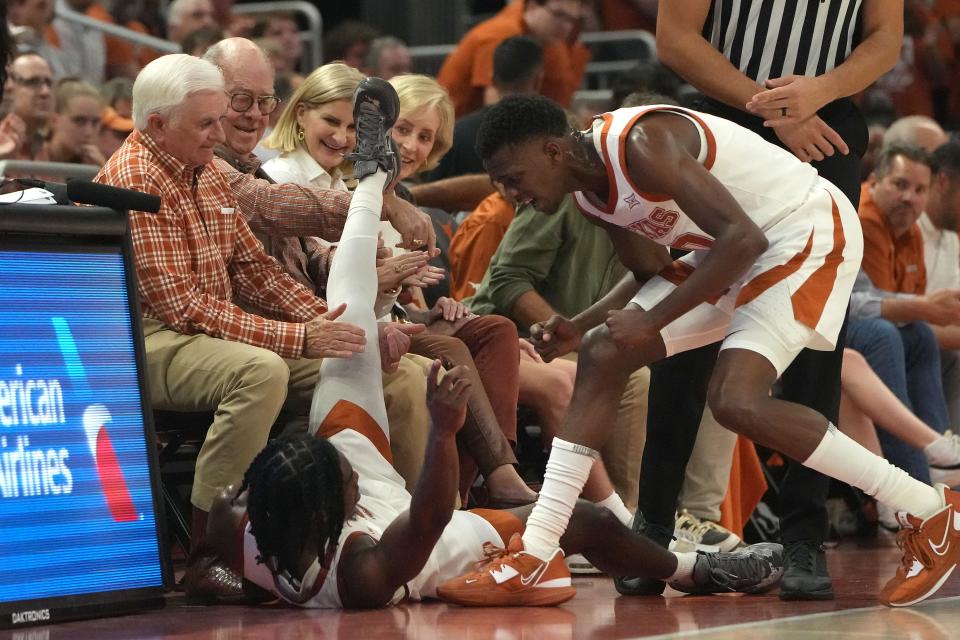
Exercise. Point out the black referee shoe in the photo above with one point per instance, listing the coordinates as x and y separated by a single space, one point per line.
805 574
645 586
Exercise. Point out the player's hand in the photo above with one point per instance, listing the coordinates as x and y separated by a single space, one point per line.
392 271
801 96
943 307
527 349
447 398
631 328
328 338
394 341
414 225
556 337
812 139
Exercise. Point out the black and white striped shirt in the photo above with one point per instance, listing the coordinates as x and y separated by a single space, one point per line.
773 38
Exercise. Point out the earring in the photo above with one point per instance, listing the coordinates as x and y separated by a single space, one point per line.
300 135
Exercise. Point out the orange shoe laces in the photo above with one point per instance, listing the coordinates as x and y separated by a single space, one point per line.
910 542
491 553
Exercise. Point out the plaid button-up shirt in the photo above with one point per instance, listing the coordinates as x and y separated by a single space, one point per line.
197 255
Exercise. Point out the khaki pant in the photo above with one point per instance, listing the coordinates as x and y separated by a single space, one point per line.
247 387
708 471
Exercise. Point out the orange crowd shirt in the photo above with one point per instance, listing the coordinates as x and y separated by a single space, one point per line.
469 68
475 242
893 264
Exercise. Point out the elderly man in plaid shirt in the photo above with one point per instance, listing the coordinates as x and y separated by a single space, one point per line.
197 261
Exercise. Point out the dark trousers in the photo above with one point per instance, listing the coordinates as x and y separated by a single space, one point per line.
678 384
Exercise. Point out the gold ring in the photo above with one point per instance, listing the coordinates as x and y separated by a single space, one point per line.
418 243
398 268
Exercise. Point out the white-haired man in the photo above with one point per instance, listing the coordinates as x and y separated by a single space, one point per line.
196 260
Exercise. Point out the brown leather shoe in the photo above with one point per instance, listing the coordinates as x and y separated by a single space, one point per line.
209 580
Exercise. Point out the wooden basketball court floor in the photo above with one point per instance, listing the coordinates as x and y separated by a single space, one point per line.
597 612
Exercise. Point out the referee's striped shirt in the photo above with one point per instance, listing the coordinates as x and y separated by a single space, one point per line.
774 38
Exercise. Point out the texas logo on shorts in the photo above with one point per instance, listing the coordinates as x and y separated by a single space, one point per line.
96 417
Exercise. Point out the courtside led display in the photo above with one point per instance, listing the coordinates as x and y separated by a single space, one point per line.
76 509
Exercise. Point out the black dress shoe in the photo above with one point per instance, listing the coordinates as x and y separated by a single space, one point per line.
660 535
805 574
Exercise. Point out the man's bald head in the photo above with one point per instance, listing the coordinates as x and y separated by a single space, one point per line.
916 131
248 71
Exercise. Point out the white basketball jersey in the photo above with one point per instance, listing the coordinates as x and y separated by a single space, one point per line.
382 498
768 182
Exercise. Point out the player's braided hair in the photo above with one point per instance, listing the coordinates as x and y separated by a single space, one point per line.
290 481
516 119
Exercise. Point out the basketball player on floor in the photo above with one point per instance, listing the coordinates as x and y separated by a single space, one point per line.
330 523
776 249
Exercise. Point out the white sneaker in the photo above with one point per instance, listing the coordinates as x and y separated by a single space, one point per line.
703 535
579 565
947 472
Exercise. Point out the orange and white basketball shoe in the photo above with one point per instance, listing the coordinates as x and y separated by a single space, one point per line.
931 551
516 579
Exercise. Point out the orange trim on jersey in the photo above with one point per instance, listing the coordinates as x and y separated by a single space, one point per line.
504 522
772 276
347 415
692 242
678 271
707 162
811 298
613 195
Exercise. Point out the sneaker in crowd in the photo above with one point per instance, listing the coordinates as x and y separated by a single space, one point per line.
805 575
753 569
692 533
634 586
931 551
580 566
515 579
944 457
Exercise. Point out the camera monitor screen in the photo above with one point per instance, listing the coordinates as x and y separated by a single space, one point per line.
78 514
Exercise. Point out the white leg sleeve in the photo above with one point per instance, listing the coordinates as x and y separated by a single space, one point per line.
353 280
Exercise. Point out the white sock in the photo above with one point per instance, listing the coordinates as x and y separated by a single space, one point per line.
941 452
567 471
615 504
684 573
840 457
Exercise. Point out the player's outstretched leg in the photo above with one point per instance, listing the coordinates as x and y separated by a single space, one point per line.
930 538
596 533
349 385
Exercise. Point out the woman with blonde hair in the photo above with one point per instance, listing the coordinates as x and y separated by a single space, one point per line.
316 129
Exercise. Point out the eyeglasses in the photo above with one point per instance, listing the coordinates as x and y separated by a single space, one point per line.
241 102
35 82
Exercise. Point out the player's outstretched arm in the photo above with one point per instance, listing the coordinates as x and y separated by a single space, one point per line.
374 571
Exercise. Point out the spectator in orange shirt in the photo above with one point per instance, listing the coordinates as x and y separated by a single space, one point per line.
890 311
467 73
517 69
